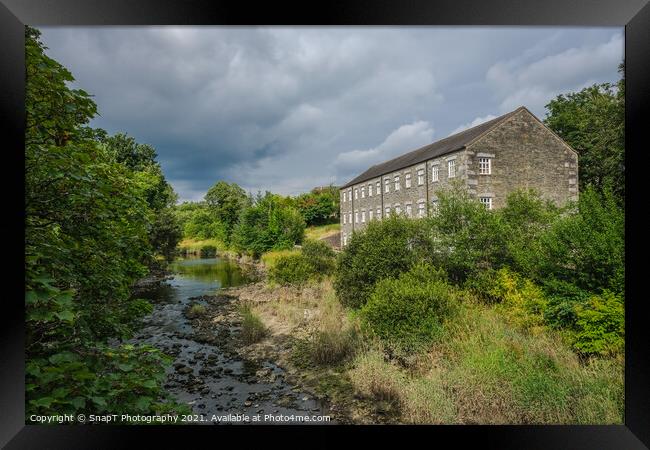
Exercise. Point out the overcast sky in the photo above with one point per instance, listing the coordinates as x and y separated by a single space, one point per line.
287 109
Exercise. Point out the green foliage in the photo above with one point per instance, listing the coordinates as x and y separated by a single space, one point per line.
165 233
226 202
199 222
292 270
587 247
91 228
521 301
270 224
600 327
592 121
409 311
320 256
467 237
563 300
320 206
384 249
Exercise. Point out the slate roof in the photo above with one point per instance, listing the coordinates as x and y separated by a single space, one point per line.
447 145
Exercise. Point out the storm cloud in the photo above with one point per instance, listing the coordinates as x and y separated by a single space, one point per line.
287 109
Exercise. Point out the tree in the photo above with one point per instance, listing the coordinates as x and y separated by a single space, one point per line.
227 201
320 206
592 121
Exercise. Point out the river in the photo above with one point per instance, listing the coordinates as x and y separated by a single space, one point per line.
210 377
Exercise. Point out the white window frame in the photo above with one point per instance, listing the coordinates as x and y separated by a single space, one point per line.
356 193
345 239
484 166
350 217
370 211
434 205
451 168
363 192
370 190
363 217
486 201
345 219
407 180
386 185
343 196
387 212
356 217
409 210
396 181
378 186
421 209
420 177
435 173
379 213
398 209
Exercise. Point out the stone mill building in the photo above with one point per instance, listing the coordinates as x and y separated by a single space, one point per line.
513 151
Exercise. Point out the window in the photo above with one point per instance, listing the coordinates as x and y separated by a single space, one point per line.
378 213
349 217
451 168
356 194
435 173
363 217
484 166
409 211
420 177
343 197
487 202
397 182
345 217
363 192
434 205
345 239
378 186
356 217
398 209
407 180
387 185
370 190
421 209
387 211
369 215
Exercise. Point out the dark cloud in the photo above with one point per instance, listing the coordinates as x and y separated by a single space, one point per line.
286 109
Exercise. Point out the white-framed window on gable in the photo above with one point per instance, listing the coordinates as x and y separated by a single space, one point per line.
409 210
420 177
396 179
387 212
363 192
356 217
370 215
370 190
407 180
451 168
484 166
435 173
486 201
356 193
363 217
421 208
386 185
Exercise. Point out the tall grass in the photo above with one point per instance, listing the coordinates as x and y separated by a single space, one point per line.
322 231
270 258
253 329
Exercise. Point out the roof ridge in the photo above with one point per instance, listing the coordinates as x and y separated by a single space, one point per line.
491 124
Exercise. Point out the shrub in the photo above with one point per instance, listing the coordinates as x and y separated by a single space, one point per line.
320 255
208 251
409 311
468 238
587 247
385 248
522 302
374 377
253 330
563 300
600 325
291 270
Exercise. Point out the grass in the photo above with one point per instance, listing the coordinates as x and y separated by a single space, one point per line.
322 231
196 310
194 245
253 329
270 258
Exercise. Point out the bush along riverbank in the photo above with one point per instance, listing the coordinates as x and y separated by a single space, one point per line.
468 317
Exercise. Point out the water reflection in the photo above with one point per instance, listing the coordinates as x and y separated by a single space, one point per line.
215 272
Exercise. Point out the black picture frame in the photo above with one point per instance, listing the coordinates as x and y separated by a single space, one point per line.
633 14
